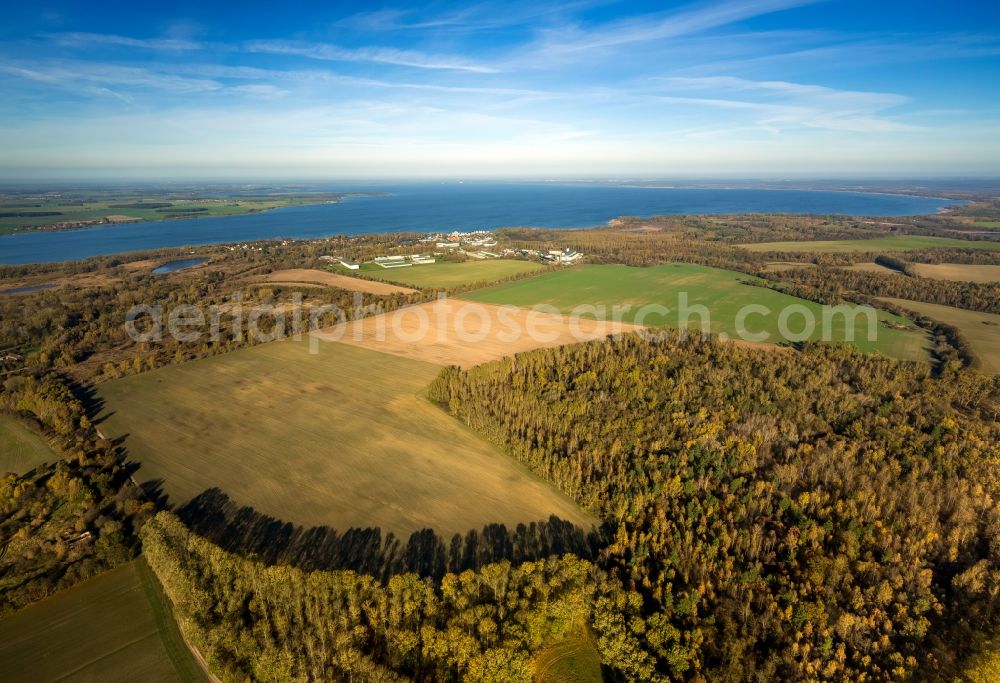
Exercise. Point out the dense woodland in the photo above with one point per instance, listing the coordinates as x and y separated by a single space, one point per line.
835 282
278 623
82 330
784 515
69 519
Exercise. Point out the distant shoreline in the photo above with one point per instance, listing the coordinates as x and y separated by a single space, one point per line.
112 220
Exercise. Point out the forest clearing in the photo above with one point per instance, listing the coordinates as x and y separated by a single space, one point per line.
20 448
343 437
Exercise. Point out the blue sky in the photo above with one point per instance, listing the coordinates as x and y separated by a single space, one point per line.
737 88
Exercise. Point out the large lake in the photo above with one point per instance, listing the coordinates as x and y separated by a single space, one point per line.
451 206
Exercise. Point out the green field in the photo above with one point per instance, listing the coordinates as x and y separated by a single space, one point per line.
721 292
902 243
117 626
445 274
20 448
981 330
343 437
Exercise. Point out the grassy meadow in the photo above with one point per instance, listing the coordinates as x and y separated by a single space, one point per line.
981 330
900 243
343 437
116 626
20 448
446 274
722 292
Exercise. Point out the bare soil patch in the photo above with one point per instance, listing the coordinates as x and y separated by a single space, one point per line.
464 333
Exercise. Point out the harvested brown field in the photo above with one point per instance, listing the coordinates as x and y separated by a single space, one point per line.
322 434
464 333
960 272
311 276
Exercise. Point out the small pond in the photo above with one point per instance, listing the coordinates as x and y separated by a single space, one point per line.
174 266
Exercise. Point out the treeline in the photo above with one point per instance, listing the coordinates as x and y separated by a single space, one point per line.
83 330
245 531
780 227
836 282
785 516
950 344
278 623
636 248
71 518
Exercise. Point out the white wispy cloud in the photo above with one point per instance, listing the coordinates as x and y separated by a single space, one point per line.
311 50
658 26
781 105
380 55
787 89
76 39
473 17
58 80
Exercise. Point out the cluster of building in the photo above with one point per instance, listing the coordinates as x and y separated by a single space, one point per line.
403 261
565 256
475 245
456 239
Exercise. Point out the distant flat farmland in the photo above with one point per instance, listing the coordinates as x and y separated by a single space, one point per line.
20 448
961 272
982 330
722 292
446 274
901 243
343 438
116 626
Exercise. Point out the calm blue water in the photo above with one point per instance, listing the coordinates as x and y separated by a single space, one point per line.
174 266
451 206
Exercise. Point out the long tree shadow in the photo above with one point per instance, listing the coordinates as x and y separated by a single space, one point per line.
93 404
243 530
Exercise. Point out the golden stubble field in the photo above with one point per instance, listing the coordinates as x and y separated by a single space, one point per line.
961 272
311 276
342 437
